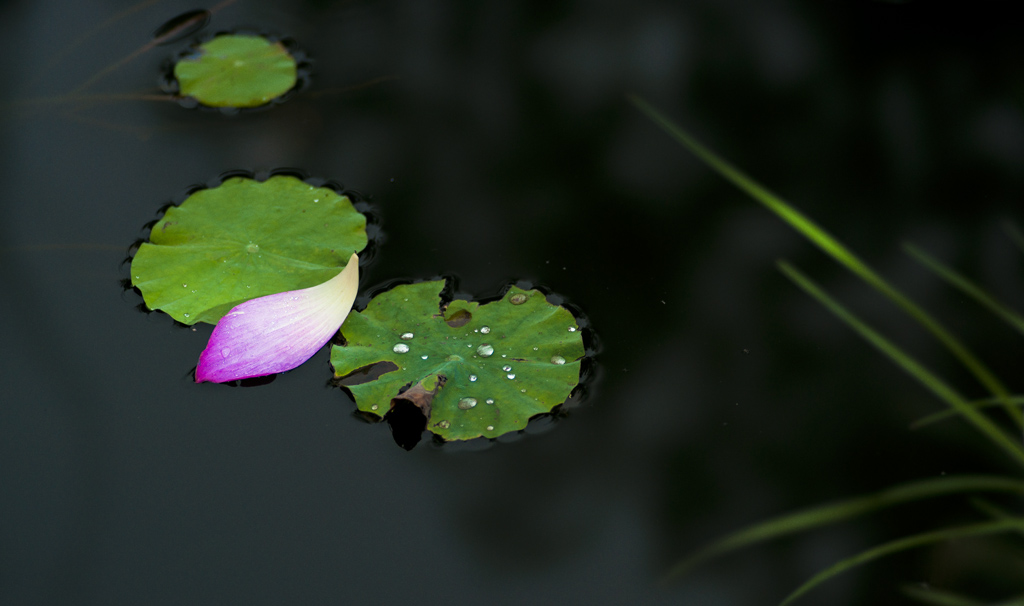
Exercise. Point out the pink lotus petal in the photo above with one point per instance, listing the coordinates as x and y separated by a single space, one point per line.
278 332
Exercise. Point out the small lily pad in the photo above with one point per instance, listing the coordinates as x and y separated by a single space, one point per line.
245 239
472 369
236 70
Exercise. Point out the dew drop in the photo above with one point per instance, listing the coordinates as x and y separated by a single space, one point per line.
472 378
535 348
193 290
444 424
424 357
523 390
252 248
467 403
490 428
400 348
517 299
183 285
506 368
406 336
374 407
485 329
453 358
572 329
485 351
187 315
511 375
489 401
225 352
557 360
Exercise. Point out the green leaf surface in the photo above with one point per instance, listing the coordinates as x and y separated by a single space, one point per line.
490 366
245 239
236 71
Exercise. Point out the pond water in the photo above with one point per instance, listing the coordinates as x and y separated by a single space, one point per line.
496 143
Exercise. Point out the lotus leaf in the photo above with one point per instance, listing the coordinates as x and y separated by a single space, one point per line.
245 239
235 70
476 369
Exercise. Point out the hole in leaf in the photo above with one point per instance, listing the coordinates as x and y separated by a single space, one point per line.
407 423
365 374
459 318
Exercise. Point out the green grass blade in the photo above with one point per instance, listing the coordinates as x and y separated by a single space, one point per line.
835 249
918 540
938 597
832 513
1015 235
967 287
911 366
991 510
950 412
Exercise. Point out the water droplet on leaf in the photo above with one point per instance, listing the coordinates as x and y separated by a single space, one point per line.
472 378
557 360
510 376
400 348
517 299
485 351
467 403
485 329
406 336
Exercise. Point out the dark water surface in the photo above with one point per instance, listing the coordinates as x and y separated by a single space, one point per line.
497 144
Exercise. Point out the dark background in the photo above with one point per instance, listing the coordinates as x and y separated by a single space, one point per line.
496 143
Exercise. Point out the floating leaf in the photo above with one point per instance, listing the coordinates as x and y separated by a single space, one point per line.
236 70
277 333
472 369
245 239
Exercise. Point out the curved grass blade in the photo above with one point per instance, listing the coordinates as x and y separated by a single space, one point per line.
832 513
1015 235
938 597
911 366
949 412
837 251
967 287
917 540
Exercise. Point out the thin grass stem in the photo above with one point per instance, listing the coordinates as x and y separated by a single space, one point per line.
837 251
832 513
967 287
950 412
918 540
910 365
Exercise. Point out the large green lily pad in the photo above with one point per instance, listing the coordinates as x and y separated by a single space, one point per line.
245 239
473 369
236 70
